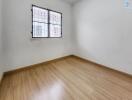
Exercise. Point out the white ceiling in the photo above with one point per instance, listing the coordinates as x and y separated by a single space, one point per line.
71 1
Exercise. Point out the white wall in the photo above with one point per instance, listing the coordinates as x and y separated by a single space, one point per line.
19 48
1 56
104 33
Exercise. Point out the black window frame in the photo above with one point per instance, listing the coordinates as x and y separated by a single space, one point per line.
47 23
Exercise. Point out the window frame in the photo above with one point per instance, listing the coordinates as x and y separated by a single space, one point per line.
47 23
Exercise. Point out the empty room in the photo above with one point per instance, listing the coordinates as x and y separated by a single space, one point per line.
65 50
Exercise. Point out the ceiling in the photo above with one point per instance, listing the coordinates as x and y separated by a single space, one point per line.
71 1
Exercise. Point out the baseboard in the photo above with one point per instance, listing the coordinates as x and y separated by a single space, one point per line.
34 65
106 67
31 66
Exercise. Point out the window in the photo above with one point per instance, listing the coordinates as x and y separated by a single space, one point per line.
46 23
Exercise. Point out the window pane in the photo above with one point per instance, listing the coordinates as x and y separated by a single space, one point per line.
55 30
46 23
40 15
40 29
55 18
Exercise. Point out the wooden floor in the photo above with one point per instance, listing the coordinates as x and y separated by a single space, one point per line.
67 79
